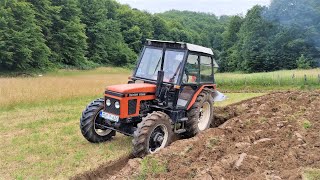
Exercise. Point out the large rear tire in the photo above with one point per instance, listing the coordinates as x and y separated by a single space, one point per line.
200 115
89 123
153 133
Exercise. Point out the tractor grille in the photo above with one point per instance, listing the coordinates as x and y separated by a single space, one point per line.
112 109
132 107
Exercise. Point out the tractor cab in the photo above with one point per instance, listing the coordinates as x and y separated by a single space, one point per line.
185 67
181 63
172 91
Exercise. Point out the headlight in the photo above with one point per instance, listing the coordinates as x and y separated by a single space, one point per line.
117 104
108 102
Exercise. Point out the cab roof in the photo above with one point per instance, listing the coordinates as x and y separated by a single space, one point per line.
190 47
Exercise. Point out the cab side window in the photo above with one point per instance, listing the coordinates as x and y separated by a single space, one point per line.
206 72
191 75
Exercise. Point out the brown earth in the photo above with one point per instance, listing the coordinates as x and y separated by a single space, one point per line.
275 136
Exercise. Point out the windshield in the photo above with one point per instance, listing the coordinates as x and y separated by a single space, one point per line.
151 63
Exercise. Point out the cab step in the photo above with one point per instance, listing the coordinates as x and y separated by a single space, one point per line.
180 131
183 119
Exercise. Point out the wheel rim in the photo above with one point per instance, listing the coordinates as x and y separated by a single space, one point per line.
204 116
98 128
158 138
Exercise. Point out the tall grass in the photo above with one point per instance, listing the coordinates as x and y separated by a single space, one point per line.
288 79
72 83
61 85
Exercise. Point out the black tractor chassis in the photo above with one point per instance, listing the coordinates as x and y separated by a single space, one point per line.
129 126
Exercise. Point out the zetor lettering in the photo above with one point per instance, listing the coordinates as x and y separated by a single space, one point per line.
137 94
172 91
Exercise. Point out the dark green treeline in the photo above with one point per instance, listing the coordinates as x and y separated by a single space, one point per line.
40 35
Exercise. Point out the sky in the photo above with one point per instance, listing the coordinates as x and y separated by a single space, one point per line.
217 7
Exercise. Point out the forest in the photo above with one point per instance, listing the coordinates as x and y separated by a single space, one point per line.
83 34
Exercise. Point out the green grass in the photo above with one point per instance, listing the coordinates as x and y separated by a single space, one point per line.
44 140
151 167
212 142
311 174
306 124
237 97
98 71
279 80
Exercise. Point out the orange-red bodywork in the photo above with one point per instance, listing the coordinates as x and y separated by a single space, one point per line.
127 89
194 98
137 89
133 88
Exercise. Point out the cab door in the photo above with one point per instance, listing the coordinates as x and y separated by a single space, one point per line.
198 72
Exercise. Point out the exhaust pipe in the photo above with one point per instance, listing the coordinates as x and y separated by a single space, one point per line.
159 84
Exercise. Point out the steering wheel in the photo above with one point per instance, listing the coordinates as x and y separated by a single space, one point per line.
168 75
185 77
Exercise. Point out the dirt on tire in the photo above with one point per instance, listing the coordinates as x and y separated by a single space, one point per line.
275 136
142 136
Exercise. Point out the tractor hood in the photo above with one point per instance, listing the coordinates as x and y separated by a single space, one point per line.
133 88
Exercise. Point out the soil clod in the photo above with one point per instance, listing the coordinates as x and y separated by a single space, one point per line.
272 144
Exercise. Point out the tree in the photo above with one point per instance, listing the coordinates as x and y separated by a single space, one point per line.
229 43
119 54
230 36
303 17
44 13
253 38
85 33
303 62
68 35
22 46
134 22
94 17
161 28
133 36
180 35
104 35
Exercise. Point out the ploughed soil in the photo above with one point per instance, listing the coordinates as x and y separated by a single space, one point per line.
275 136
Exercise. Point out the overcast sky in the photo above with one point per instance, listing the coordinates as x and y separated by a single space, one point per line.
218 7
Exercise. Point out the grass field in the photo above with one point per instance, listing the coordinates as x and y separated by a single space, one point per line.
39 124
43 140
58 85
69 84
311 174
279 80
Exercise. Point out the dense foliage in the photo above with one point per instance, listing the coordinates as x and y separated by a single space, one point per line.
39 35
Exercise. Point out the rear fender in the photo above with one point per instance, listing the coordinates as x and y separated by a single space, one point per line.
194 98
217 96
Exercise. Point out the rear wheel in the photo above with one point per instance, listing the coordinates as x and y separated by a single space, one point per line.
153 133
200 115
90 123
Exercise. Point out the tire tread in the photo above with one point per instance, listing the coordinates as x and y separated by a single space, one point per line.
87 125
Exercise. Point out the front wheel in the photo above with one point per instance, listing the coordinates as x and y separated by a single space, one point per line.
153 133
91 123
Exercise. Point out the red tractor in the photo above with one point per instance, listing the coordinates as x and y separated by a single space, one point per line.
172 91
